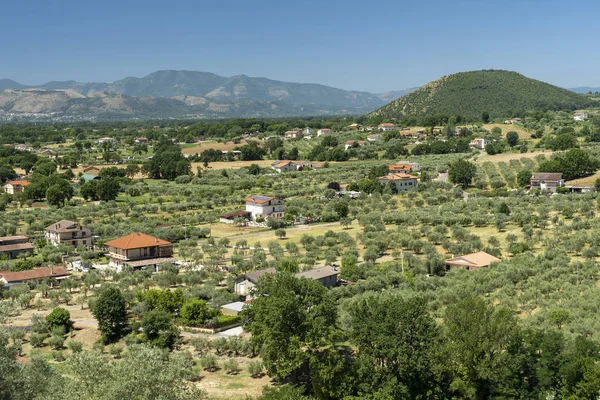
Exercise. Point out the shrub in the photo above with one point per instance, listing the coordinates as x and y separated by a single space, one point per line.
219 344
98 347
209 362
58 356
38 324
195 312
201 345
37 339
59 318
255 368
115 351
231 366
75 346
226 320
57 342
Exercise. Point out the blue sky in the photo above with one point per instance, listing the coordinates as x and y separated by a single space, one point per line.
373 46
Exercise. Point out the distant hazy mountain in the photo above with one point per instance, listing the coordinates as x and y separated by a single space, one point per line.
469 94
10 84
395 94
585 89
191 92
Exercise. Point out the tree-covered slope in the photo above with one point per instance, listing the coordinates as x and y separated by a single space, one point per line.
469 94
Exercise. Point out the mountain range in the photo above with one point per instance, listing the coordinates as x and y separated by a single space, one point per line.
501 94
181 94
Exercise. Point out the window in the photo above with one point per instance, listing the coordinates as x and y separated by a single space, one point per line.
84 242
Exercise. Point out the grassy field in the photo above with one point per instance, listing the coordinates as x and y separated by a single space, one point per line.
523 134
509 156
200 147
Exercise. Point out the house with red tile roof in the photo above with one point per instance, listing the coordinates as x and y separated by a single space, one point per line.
37 275
14 187
138 250
264 207
402 182
471 261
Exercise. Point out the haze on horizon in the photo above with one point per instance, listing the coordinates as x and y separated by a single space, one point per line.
353 45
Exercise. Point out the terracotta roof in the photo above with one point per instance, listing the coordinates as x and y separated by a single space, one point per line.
136 240
19 238
38 273
479 259
387 124
18 183
397 177
64 226
281 164
399 167
259 199
16 246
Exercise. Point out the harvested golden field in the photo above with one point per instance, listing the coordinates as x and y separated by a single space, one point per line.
200 147
510 156
523 134
232 164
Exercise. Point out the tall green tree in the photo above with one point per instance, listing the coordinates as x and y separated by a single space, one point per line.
462 172
290 320
110 309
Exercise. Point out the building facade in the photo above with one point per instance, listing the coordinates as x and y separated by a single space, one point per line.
14 187
264 207
402 182
546 181
138 250
69 233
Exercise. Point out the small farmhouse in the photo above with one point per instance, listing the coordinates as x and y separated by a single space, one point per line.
546 181
36 276
580 116
141 140
138 250
471 261
324 132
14 187
479 143
294 134
327 276
402 182
354 143
386 127
264 207
12 246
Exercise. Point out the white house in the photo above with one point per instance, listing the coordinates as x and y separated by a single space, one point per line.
106 139
326 276
265 207
403 182
69 233
386 127
324 132
513 121
479 143
546 181
294 134
350 143
283 166
308 131
580 116
374 138
13 187
287 165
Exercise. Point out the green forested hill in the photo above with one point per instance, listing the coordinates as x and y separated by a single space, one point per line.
469 94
